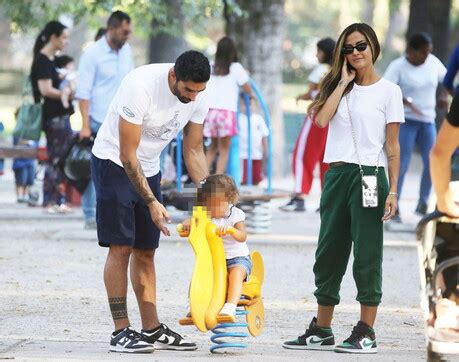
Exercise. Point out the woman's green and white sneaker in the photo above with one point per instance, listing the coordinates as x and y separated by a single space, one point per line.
362 340
315 338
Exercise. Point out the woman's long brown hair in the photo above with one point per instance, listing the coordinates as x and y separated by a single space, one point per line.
331 80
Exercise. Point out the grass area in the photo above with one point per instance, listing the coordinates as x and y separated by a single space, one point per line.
11 82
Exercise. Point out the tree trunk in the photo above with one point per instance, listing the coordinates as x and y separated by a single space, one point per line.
5 41
259 35
394 21
368 10
165 47
431 16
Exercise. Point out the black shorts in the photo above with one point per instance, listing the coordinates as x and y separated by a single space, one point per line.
122 216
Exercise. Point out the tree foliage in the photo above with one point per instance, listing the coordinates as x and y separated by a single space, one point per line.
26 15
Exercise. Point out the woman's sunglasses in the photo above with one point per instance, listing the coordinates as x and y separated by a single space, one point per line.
349 49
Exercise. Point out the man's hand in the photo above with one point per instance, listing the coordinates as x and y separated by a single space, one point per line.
159 216
85 133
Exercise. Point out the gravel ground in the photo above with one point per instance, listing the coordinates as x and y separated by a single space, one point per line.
53 303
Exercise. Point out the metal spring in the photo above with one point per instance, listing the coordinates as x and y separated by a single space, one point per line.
258 216
219 334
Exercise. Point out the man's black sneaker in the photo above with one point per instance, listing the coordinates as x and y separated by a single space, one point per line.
164 338
362 340
130 341
295 204
421 209
315 338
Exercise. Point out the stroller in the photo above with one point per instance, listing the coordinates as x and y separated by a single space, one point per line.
438 250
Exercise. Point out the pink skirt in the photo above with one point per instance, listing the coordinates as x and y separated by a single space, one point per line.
220 123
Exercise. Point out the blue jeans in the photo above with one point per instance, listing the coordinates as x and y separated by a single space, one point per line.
88 199
423 134
241 261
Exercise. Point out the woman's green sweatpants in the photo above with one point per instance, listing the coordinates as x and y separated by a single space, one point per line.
344 220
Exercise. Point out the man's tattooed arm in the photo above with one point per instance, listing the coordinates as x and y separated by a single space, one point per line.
135 173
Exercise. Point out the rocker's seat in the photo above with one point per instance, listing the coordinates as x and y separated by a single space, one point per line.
252 288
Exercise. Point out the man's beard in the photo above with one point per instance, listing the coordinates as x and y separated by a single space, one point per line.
181 98
118 43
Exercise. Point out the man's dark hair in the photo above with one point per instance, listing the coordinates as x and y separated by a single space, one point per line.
100 33
192 65
419 40
62 60
116 18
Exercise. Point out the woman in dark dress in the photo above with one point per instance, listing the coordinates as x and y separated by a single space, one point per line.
56 118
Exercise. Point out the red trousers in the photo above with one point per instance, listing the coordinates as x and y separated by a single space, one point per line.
309 150
257 172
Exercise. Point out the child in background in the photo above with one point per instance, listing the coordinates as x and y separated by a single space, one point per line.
227 79
219 194
24 171
259 144
67 73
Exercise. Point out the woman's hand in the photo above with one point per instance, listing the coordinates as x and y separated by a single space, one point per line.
347 75
390 207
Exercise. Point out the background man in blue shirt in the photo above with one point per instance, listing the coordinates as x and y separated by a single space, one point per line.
101 69
453 68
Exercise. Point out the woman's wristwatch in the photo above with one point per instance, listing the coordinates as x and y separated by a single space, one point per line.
393 193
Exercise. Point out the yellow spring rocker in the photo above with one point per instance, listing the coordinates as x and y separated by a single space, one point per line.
209 285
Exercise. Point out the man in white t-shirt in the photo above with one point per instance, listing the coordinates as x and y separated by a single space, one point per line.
418 73
151 106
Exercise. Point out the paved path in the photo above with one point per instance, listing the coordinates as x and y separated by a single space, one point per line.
53 303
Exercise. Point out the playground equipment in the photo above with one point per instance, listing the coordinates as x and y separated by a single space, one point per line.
438 250
208 287
234 163
254 203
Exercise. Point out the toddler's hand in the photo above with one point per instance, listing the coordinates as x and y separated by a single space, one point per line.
222 230
225 230
184 228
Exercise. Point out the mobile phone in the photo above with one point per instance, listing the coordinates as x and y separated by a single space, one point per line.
349 67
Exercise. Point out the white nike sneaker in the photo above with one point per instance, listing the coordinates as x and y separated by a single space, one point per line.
164 338
130 341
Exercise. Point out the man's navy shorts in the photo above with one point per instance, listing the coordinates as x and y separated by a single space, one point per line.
122 216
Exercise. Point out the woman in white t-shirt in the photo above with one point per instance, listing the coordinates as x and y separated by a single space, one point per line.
418 74
218 193
310 143
228 76
364 112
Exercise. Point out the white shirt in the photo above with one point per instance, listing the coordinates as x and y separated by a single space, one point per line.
144 98
372 108
316 76
233 248
418 82
259 130
223 90
318 73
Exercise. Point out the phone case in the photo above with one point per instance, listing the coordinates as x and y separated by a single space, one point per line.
369 191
